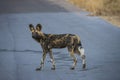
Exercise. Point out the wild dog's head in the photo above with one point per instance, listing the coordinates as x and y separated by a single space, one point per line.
36 32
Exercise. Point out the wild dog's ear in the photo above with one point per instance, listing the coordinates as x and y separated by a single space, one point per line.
38 27
31 27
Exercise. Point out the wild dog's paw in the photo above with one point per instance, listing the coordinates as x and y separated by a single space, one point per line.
84 66
38 69
53 68
72 68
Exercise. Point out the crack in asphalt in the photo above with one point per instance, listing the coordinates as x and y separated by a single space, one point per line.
7 50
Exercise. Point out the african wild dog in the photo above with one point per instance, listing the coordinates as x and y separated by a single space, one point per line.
49 41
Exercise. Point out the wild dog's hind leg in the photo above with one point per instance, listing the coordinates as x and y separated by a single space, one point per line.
52 60
42 60
82 55
71 50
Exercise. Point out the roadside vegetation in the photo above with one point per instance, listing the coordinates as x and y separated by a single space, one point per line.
108 9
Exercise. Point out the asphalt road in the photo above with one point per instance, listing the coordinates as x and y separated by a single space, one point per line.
20 54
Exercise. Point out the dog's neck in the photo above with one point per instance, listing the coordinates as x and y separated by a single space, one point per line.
43 38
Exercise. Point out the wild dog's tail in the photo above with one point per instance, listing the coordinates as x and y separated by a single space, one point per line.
78 47
81 49
82 54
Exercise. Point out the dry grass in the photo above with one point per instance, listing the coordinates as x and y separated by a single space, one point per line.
101 7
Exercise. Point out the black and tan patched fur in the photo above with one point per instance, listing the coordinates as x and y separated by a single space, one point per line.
49 41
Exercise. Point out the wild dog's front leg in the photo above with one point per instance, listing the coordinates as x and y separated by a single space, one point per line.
42 60
52 60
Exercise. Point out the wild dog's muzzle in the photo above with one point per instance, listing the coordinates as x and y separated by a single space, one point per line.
35 35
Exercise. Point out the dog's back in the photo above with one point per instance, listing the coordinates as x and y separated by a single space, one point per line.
62 40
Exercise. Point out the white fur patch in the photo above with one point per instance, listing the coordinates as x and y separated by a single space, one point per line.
81 51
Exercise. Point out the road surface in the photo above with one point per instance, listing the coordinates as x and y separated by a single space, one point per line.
20 54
